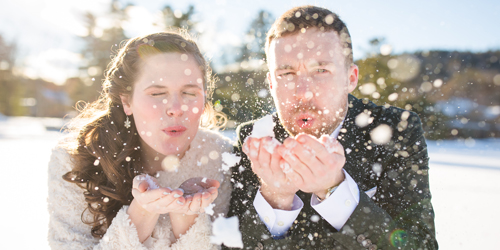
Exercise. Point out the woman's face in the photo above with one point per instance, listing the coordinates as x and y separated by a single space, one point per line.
167 102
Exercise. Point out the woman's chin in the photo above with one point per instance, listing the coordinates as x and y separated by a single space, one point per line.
176 150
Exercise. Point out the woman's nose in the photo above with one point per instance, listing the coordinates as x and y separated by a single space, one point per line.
174 107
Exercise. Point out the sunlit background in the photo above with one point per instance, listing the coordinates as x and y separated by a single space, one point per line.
437 58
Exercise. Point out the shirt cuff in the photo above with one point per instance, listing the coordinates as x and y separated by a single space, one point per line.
338 207
277 221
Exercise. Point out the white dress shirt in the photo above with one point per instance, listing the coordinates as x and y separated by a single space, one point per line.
336 209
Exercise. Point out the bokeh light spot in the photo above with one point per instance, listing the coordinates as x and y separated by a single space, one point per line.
398 238
381 134
385 49
170 163
329 19
367 88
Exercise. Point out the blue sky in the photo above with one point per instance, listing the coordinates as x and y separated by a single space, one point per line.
47 32
407 25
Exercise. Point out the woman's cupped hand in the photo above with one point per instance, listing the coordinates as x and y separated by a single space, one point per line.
192 196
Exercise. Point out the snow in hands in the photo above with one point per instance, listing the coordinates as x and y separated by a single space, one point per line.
151 183
264 128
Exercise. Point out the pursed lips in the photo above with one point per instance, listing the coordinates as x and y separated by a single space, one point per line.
305 120
174 130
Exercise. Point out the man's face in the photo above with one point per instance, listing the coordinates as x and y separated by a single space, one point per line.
310 81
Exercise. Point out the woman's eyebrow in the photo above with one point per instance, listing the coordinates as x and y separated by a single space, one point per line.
191 86
155 86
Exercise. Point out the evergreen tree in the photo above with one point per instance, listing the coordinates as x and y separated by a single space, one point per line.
179 19
255 38
99 45
244 94
10 88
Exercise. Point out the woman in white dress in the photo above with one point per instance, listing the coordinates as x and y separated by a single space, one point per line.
139 168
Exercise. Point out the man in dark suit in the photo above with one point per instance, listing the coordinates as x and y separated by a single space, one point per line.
340 172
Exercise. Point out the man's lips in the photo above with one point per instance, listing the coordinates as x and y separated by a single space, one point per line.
174 130
305 120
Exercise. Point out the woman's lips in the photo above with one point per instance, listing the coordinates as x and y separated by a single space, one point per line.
305 121
174 131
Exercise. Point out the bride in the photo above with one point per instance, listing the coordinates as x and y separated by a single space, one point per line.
139 168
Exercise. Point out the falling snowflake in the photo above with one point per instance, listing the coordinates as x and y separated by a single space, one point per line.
381 134
377 168
229 160
226 230
315 218
363 119
210 209
367 88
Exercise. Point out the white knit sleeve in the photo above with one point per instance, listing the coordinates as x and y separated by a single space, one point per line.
197 237
66 204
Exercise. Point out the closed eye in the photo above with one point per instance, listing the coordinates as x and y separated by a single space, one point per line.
158 94
284 74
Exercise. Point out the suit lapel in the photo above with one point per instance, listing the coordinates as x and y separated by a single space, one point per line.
353 139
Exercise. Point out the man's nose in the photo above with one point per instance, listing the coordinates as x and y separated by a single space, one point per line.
174 107
303 87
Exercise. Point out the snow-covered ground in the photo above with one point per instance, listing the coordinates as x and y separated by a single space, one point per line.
465 177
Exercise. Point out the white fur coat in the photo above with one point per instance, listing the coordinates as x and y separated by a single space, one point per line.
66 203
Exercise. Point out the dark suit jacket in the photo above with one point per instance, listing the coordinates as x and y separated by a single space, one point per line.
400 215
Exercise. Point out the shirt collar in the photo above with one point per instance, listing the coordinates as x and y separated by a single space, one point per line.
336 132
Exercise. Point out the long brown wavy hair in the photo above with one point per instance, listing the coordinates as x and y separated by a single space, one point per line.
106 153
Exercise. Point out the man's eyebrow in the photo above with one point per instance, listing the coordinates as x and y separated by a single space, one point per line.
321 63
285 66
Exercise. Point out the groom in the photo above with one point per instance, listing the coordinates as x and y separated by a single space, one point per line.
340 172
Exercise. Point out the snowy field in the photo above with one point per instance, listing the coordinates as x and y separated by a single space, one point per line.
464 176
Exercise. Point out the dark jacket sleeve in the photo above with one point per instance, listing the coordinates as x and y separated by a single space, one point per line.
400 215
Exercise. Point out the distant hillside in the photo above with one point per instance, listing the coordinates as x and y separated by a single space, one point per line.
455 93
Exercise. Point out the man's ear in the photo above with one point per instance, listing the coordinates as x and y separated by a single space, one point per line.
126 104
353 77
269 80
